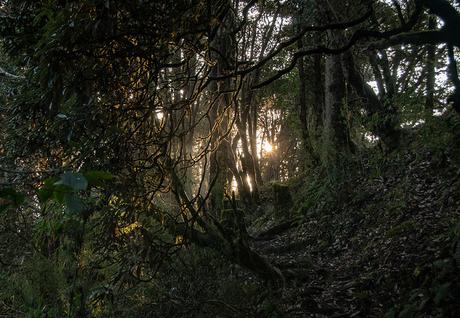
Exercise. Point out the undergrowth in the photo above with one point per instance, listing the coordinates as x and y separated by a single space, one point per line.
394 218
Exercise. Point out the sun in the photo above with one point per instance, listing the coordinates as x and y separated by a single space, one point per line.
267 147
159 114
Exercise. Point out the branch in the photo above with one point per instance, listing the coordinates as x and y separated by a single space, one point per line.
444 10
358 35
416 38
448 34
9 75
294 39
399 11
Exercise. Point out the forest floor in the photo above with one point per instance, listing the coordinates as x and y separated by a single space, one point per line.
379 239
380 246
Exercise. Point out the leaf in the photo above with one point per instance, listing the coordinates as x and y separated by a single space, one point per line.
408 311
390 314
62 116
441 293
46 191
59 192
74 180
457 254
10 194
95 177
44 194
74 203
49 182
10 198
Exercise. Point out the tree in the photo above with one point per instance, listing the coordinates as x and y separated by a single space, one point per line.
176 102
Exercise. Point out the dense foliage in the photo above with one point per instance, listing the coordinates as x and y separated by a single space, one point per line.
241 158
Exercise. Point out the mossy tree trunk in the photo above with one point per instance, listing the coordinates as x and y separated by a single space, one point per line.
335 134
222 52
430 73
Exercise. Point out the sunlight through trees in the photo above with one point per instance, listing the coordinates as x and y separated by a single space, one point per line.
134 132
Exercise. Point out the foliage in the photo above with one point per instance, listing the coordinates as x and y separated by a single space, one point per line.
125 125
10 198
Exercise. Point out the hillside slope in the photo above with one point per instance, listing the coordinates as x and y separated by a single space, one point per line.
382 241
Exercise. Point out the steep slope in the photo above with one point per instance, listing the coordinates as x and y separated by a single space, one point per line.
381 241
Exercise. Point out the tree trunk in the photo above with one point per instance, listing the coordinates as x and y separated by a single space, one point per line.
222 53
245 125
303 111
430 73
386 127
335 135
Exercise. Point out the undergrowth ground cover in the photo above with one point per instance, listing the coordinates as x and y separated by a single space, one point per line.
381 239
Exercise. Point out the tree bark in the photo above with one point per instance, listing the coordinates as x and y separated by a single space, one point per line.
386 127
303 110
223 53
430 73
335 135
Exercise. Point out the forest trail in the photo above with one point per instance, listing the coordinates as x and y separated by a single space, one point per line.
317 285
351 262
230 159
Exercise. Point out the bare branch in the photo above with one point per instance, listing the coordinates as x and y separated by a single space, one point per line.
444 10
294 39
358 35
399 11
415 38
4 73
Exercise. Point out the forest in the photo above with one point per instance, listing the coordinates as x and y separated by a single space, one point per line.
229 158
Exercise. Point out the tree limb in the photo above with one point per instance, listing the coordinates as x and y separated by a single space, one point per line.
358 35
444 10
294 39
4 73
415 38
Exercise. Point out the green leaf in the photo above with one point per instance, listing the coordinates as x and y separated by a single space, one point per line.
74 203
441 293
60 190
390 314
10 194
10 198
95 177
457 254
44 194
46 191
408 311
74 180
49 182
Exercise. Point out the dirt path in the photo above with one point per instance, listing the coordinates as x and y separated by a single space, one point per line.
369 253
